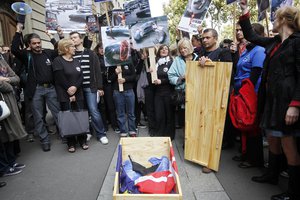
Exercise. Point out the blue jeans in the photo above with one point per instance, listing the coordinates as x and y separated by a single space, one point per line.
125 102
41 96
91 101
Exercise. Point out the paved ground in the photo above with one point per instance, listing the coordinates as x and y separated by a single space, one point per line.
89 175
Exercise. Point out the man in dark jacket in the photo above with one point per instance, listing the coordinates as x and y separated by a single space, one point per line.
92 83
39 85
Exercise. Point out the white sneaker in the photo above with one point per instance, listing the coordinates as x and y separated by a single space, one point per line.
103 140
123 134
88 137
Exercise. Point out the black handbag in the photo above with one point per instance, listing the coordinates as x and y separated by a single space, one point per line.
178 97
73 122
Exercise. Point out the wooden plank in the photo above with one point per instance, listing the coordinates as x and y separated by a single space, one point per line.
206 102
152 64
147 197
116 186
141 149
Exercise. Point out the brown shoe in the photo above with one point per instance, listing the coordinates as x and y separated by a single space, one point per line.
206 170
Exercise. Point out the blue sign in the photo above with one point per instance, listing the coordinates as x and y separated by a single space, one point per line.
230 1
102 0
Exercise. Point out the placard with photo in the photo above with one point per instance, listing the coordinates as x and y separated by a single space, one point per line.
136 10
118 17
92 24
116 45
70 15
150 32
193 15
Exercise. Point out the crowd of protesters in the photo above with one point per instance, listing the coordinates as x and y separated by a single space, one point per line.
72 75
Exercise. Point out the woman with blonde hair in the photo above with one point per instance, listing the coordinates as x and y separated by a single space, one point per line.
68 80
279 94
176 72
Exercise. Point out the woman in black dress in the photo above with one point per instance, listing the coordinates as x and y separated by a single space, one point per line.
280 92
164 110
68 80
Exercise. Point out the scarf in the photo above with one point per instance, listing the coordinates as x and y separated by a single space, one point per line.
162 61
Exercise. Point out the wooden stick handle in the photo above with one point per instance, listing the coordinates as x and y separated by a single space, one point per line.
121 87
152 64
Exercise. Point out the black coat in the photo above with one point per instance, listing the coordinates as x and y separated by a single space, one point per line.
280 83
28 64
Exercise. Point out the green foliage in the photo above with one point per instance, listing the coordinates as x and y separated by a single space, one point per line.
174 11
219 15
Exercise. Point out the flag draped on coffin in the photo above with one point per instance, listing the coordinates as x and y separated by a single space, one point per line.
262 5
277 4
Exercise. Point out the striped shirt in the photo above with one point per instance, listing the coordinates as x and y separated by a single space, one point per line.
84 59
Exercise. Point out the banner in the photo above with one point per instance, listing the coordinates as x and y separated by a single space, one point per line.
277 4
194 13
262 5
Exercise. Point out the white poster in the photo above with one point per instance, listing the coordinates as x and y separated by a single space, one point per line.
194 13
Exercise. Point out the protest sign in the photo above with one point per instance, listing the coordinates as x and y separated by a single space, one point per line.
194 13
150 32
116 45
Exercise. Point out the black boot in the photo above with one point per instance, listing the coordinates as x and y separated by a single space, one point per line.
293 192
294 182
271 176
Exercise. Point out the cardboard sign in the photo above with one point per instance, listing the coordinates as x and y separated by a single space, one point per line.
116 45
194 13
118 17
150 32
92 24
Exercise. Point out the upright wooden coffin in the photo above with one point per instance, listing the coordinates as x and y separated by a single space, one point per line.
207 91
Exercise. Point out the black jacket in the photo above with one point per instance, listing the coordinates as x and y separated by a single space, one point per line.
280 82
95 71
28 64
128 73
